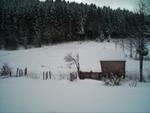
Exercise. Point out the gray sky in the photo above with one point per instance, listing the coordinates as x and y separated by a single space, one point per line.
128 4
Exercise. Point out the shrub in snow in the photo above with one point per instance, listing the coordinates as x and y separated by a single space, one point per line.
111 80
133 81
5 70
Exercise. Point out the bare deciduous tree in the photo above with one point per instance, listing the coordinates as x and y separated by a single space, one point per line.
140 30
73 60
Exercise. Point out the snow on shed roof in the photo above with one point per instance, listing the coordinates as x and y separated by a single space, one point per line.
90 57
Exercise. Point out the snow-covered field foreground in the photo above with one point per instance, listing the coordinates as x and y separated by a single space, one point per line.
23 94
29 95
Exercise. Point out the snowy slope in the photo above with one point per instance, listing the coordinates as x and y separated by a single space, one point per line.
51 58
38 60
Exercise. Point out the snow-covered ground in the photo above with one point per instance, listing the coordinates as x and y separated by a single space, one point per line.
36 95
29 95
51 58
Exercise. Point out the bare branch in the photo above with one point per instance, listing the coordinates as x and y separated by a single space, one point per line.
73 60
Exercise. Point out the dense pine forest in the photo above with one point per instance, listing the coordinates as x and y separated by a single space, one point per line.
32 22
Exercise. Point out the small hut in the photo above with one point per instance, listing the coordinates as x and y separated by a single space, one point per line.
96 61
115 67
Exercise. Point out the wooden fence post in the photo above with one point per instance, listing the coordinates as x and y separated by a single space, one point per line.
20 72
10 73
49 75
17 72
46 75
43 75
25 71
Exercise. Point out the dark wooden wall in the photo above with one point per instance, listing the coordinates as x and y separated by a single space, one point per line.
116 67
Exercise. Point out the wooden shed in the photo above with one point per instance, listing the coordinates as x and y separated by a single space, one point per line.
98 59
116 67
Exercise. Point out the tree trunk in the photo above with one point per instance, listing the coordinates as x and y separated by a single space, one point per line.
141 67
131 49
123 45
141 56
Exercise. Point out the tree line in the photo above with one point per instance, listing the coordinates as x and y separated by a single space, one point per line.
33 23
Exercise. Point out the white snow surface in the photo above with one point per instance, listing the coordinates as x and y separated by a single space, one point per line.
36 95
51 58
30 95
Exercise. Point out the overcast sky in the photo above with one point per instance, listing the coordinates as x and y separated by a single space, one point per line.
128 4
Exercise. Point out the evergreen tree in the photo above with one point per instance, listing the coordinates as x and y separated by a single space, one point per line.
35 23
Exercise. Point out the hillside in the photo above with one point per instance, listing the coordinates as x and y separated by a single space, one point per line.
51 58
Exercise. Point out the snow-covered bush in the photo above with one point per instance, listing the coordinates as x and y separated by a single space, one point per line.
5 70
112 80
133 81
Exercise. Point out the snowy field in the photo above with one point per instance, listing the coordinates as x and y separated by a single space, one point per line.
51 58
28 95
36 95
